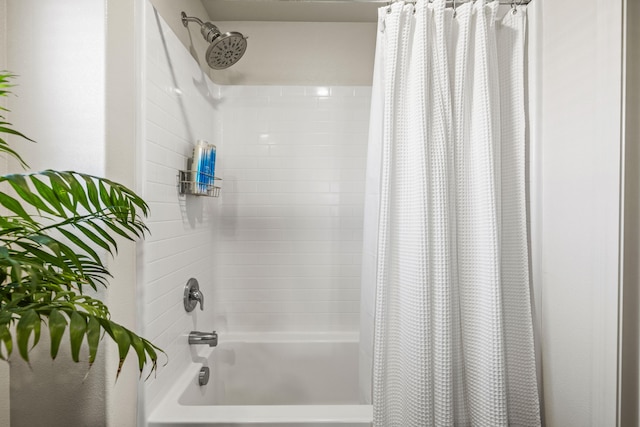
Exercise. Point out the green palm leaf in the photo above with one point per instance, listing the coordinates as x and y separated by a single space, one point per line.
51 243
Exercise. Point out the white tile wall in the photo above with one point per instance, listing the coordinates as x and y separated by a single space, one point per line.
180 106
290 230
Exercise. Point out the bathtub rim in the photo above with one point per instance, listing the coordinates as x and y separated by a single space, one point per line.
262 414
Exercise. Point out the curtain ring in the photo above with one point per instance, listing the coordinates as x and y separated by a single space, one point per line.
514 10
455 11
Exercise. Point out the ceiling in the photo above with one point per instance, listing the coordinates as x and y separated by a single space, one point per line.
293 10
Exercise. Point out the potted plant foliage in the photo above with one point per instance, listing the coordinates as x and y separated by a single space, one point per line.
53 227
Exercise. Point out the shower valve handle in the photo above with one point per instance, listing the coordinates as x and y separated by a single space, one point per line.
192 295
198 297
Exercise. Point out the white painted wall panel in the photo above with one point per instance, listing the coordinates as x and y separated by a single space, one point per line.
581 51
630 358
60 103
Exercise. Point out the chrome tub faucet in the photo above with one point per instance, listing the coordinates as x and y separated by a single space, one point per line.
210 338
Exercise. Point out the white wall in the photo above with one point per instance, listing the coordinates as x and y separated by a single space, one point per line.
180 105
60 104
302 53
579 172
76 79
290 230
283 53
122 100
190 38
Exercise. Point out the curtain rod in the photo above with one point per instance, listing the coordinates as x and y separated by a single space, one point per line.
448 2
460 2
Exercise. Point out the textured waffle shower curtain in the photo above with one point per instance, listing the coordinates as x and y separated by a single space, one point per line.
453 329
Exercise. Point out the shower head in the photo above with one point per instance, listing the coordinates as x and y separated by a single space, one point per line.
224 49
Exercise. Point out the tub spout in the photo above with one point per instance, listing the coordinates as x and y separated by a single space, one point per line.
210 338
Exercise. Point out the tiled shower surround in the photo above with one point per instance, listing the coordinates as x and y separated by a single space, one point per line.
290 229
280 249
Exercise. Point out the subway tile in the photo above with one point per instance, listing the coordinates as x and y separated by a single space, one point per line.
164 193
249 92
330 246
307 103
332 282
288 199
342 91
290 322
344 103
229 101
271 137
326 223
308 258
291 270
280 113
159 231
360 115
247 258
159 135
164 211
293 187
256 150
324 150
275 295
362 91
229 212
234 186
315 91
171 124
336 134
243 174
293 91
347 187
297 175
161 305
288 307
241 162
239 247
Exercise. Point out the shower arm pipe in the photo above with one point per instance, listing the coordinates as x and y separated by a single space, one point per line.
209 31
186 19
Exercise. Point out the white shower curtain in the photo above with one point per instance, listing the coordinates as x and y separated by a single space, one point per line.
453 327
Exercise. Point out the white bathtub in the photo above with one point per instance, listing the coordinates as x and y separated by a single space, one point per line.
269 380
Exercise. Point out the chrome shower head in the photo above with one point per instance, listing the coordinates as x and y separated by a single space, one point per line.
224 49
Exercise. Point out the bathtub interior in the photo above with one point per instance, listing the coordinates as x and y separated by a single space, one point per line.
308 372
283 380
